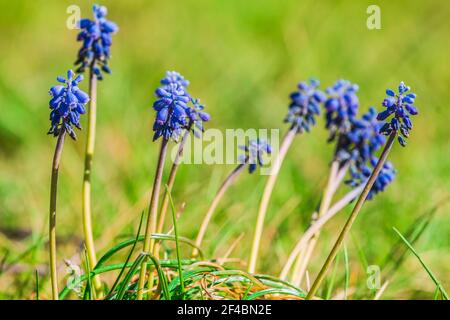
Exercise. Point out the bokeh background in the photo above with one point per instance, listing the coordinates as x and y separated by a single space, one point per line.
243 58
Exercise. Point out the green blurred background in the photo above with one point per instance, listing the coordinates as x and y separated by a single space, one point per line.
243 58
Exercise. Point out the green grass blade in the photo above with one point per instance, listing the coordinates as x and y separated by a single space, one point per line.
427 269
264 292
123 286
129 256
162 277
174 217
347 272
173 264
396 256
129 242
332 279
88 292
37 284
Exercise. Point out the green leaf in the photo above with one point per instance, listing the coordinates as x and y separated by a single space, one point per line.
427 269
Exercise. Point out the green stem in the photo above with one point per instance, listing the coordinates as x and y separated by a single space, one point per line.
287 141
152 216
177 244
86 188
170 183
52 217
352 217
204 225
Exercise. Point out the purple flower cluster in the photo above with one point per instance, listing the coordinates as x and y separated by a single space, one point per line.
341 107
359 175
359 146
176 109
254 153
362 140
304 106
400 105
67 104
96 36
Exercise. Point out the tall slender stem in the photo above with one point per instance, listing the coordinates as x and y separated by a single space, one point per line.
351 219
303 241
52 216
170 183
152 215
213 206
287 141
86 197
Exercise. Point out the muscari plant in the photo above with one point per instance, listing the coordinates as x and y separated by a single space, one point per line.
178 114
399 108
67 104
304 107
93 56
357 140
254 154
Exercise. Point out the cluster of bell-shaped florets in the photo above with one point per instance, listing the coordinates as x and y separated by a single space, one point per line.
176 110
67 104
96 36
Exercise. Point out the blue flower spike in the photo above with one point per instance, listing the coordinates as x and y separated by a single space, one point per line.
341 107
176 109
363 140
171 107
400 106
359 176
304 106
359 146
96 36
67 104
254 153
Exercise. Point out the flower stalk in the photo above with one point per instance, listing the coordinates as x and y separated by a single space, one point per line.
171 181
86 188
286 143
351 219
152 215
52 217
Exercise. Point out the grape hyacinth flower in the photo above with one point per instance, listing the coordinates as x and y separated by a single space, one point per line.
96 36
397 105
363 139
196 117
254 153
172 111
67 104
341 107
173 116
304 106
400 105
359 176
